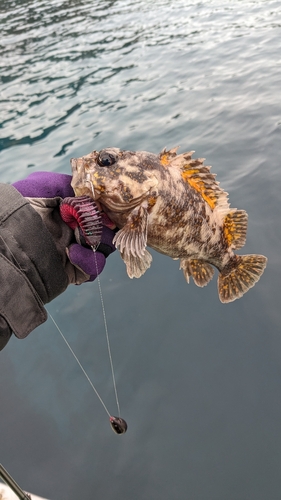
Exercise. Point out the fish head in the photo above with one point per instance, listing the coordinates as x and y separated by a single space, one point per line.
119 180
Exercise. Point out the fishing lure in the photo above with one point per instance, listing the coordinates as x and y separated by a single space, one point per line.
83 212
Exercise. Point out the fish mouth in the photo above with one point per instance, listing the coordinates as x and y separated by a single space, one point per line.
86 191
85 188
110 202
107 199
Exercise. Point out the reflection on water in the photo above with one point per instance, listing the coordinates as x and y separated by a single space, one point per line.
198 381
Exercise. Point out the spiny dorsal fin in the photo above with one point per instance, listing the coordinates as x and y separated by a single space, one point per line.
198 177
167 156
235 228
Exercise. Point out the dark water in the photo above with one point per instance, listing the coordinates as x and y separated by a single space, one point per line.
199 382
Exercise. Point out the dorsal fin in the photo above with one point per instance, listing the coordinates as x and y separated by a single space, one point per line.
235 228
167 156
201 179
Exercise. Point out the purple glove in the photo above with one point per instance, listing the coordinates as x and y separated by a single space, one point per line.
45 185
52 185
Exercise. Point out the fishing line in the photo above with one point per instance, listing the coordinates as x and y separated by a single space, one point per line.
83 212
106 333
84 371
68 345
118 424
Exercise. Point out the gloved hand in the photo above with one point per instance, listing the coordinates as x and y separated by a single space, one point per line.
53 185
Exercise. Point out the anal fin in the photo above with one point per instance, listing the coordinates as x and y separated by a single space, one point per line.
200 270
235 228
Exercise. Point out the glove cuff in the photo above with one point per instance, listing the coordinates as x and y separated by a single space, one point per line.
27 280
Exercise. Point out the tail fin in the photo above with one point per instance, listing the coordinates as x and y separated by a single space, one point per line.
239 276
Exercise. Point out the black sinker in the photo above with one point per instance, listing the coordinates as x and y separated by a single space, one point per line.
118 424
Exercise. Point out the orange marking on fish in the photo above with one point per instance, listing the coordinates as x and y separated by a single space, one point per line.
151 201
230 230
199 186
164 160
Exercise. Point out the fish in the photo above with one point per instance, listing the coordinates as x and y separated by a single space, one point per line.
173 204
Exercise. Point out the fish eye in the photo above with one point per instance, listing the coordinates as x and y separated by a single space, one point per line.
106 159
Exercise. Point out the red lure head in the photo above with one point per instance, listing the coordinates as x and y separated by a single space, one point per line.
82 211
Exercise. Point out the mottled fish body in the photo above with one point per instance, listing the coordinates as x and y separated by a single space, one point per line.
173 204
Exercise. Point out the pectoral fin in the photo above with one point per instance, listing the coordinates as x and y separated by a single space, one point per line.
131 242
201 271
136 266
